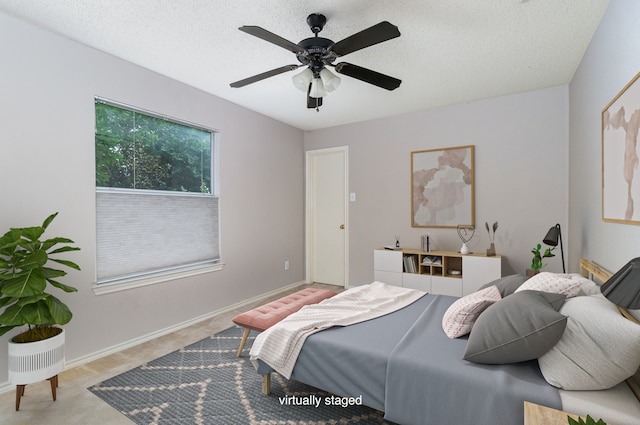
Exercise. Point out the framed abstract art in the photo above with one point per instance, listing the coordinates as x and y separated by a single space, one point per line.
620 161
442 187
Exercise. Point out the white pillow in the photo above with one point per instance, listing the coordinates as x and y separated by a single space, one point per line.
589 287
567 284
462 314
599 348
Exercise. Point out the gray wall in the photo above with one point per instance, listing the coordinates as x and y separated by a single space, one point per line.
610 62
47 88
521 176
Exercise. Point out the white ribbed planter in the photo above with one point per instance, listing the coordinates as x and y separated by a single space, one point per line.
36 361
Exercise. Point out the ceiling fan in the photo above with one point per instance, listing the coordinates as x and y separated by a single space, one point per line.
316 53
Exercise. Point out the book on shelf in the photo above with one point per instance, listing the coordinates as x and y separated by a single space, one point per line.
393 248
410 264
432 259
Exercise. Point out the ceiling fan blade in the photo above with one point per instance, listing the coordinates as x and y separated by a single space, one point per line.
271 38
264 75
368 76
373 35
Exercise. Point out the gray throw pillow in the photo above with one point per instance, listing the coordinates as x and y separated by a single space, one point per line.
507 285
518 328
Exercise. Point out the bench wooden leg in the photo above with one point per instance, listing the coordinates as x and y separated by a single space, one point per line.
245 335
266 384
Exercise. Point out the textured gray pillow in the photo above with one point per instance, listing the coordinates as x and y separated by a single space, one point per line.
599 349
507 285
520 327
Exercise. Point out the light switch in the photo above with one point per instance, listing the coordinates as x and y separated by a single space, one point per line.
352 197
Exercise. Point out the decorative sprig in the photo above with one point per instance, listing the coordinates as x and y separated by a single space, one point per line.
495 227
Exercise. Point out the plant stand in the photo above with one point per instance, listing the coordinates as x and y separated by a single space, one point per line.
20 390
36 361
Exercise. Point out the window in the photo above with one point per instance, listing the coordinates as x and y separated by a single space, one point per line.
156 196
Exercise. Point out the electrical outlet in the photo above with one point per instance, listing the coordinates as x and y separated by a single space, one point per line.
286 264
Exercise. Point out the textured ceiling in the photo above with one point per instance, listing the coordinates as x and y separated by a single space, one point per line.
450 51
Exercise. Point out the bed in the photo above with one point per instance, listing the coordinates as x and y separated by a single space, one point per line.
405 365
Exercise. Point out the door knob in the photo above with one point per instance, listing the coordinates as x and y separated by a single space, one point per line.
342 226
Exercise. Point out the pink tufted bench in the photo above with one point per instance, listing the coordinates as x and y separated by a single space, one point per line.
263 317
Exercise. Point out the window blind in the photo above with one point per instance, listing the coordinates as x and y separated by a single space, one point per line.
146 232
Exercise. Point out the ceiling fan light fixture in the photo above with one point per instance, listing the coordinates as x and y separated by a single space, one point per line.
303 79
316 53
329 80
317 88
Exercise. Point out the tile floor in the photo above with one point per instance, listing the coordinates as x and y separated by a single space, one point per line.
75 405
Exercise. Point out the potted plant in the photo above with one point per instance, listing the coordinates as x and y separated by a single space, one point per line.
536 262
25 275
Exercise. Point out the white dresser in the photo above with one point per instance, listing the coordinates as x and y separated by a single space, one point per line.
436 272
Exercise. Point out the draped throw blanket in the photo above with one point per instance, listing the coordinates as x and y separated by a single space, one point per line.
280 345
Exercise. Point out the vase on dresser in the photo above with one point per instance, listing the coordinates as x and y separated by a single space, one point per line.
532 272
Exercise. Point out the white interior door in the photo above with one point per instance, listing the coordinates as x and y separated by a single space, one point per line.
327 236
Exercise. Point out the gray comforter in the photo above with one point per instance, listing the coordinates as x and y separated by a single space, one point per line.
404 364
428 383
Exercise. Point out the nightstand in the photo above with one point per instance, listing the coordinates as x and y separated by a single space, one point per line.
534 414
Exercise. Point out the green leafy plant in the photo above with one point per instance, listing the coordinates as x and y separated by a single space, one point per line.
536 262
24 276
589 421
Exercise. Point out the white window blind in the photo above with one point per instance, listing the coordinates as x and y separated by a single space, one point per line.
142 232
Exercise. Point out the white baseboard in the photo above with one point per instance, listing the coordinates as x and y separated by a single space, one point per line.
6 386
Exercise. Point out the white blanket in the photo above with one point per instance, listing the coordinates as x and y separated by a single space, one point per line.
280 345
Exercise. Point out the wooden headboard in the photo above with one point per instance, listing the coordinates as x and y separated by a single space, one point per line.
592 270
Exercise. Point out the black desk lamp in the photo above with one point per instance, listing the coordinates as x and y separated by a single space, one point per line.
552 240
623 288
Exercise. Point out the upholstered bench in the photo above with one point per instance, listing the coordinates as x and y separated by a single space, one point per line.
263 317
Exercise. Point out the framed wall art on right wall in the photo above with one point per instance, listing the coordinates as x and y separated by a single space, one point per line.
620 160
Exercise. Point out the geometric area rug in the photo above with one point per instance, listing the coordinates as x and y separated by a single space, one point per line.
206 383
